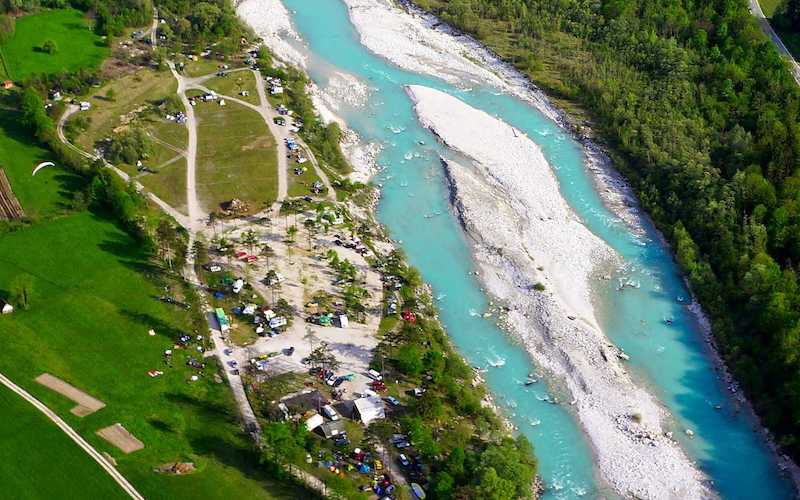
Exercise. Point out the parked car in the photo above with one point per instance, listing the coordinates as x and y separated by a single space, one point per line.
392 401
233 364
374 375
403 460
290 351
330 412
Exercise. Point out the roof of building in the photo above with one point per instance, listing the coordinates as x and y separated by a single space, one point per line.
311 400
331 429
370 408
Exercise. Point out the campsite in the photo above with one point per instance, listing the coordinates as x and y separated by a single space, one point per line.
215 311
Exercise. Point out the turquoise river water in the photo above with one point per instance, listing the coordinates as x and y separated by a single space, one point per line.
670 359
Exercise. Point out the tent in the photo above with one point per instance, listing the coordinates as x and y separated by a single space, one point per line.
5 307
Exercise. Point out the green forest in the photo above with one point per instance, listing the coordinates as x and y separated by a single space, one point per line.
701 115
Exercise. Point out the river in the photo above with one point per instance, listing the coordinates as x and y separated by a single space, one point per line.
671 360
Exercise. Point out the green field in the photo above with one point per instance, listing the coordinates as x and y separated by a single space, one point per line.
233 83
78 46
91 309
236 156
58 462
41 196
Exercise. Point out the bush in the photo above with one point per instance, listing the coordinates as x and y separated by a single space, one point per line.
20 290
49 47
409 360
7 27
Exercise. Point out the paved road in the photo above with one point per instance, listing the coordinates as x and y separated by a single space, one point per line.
154 30
69 431
755 9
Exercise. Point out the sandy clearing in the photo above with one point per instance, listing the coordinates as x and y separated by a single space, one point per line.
86 403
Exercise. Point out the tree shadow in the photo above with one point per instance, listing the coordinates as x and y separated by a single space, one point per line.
206 408
160 326
161 425
245 459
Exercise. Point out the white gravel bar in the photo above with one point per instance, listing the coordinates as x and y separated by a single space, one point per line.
525 233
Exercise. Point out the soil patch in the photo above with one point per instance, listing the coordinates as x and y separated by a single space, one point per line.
121 438
86 403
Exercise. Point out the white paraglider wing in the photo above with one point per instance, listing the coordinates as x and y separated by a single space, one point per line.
42 165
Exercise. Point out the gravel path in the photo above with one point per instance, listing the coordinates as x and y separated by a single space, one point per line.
193 207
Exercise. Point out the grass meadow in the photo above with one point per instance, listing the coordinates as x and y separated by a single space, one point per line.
48 193
78 47
233 83
57 463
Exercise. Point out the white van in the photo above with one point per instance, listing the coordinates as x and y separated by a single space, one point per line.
330 412
374 375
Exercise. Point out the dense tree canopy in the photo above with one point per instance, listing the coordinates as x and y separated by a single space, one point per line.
701 114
